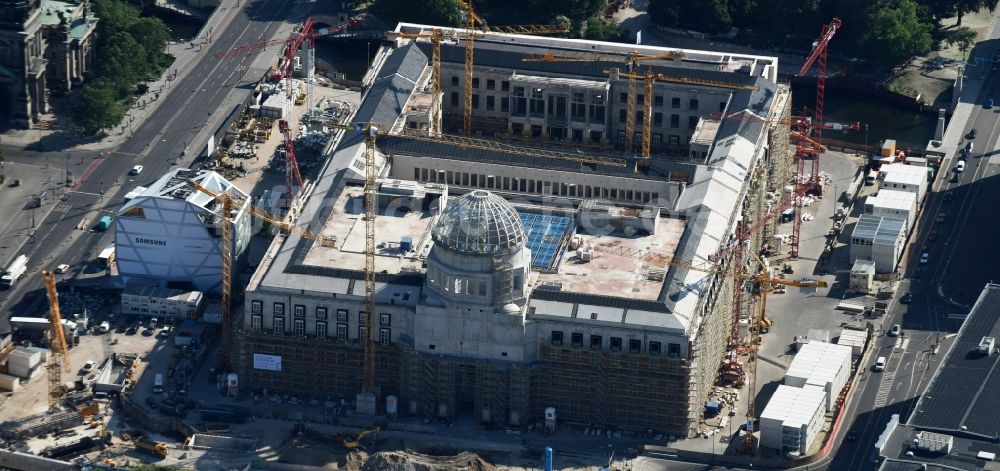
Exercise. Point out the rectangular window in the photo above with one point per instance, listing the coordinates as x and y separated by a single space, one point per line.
504 104
299 327
256 307
621 135
657 119
321 313
279 325
654 348
491 84
362 333
596 341
657 100
454 81
341 315
692 122
576 339
578 107
475 82
673 349
578 135
491 102
596 111
623 98
675 102
279 309
299 311
557 337
342 331
520 102
362 318
616 344
537 104
256 321
385 320
454 98
321 329
675 121
475 102
384 336
622 115
504 86
693 105
634 345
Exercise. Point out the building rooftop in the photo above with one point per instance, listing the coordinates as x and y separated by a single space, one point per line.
174 185
893 200
794 407
819 361
863 266
904 174
879 229
143 289
965 389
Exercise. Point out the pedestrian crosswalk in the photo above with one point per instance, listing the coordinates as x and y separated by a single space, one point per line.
884 388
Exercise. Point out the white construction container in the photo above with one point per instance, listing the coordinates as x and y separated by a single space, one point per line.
792 419
9 383
854 339
822 364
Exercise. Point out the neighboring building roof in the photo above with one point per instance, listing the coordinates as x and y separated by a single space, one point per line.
175 185
879 229
819 361
962 396
904 174
863 266
893 200
142 289
794 407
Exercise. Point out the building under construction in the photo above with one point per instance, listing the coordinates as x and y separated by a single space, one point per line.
511 281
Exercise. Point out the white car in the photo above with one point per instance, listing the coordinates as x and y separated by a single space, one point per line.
960 167
89 366
62 268
135 170
924 258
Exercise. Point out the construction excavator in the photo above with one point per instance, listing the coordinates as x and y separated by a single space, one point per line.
354 441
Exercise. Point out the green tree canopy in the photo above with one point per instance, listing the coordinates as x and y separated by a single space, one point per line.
963 36
710 16
96 108
152 34
122 60
431 12
895 32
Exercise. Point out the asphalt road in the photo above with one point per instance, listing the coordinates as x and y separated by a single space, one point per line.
172 135
961 260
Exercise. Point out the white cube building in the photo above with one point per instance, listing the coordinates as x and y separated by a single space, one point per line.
880 239
170 233
792 419
894 203
904 177
155 301
824 365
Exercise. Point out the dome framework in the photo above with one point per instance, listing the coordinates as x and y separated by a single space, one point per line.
480 223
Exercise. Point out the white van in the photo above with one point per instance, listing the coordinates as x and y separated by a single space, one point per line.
880 364
104 327
158 383
871 178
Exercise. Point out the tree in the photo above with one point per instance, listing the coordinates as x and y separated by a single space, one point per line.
665 12
963 36
152 34
122 60
894 32
431 12
96 108
600 30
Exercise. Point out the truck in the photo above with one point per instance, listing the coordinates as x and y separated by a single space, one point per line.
104 223
156 448
107 256
14 271
158 383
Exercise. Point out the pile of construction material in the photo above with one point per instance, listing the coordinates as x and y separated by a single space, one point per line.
410 461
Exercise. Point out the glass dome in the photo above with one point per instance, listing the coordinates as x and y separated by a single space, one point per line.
480 223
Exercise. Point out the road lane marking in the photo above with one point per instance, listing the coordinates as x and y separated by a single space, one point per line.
884 388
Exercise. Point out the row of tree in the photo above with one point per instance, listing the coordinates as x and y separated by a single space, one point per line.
886 32
130 50
582 16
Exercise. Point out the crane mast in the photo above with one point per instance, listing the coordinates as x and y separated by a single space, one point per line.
58 354
368 386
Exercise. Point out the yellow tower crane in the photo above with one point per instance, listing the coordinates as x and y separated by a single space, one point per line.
474 25
58 355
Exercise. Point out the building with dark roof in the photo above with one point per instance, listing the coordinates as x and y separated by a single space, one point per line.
510 281
958 406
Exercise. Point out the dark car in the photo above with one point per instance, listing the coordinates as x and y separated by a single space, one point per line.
971 135
906 299
988 104
132 329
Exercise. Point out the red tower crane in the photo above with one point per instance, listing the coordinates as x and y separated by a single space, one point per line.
291 163
819 48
